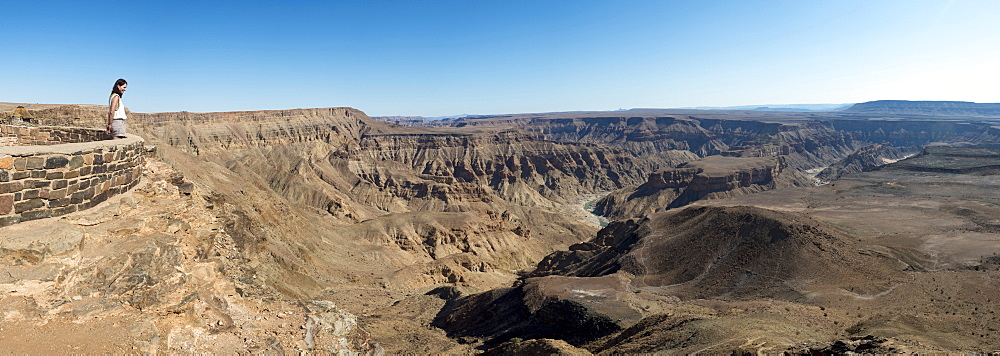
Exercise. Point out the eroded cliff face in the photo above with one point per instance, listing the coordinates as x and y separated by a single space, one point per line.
913 134
711 177
432 206
215 133
864 159
638 136
514 167
392 169
350 169
814 141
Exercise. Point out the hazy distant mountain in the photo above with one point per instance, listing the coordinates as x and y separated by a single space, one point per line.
937 108
778 107
894 107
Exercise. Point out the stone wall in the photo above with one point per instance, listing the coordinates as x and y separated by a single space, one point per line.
11 135
54 178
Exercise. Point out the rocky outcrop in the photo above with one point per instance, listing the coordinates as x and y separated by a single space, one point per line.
155 270
86 116
514 167
816 140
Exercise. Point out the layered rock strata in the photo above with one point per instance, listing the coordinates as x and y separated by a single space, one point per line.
812 140
226 131
865 159
432 206
711 177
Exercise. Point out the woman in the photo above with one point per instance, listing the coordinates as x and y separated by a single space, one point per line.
116 110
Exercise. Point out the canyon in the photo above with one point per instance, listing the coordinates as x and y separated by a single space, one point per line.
325 230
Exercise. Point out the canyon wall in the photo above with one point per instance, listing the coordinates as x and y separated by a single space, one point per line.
711 177
349 169
864 159
366 181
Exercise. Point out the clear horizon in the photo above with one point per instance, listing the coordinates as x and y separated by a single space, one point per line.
446 58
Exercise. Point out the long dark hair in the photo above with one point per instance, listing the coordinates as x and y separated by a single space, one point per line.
114 89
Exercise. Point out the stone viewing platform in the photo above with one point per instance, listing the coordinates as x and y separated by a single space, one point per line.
53 171
11 135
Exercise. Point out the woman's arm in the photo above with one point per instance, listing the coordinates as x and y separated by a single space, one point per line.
111 111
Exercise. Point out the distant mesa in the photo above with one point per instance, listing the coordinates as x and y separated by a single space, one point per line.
980 159
936 108
778 107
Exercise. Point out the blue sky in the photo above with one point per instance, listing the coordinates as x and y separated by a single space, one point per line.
437 58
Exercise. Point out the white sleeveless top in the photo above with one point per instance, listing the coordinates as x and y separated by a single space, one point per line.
120 112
